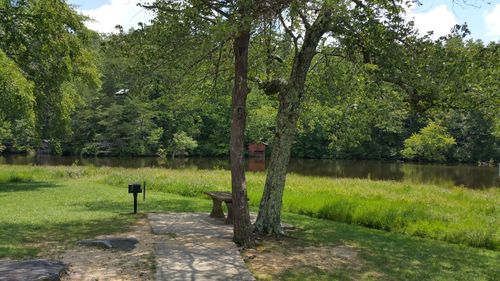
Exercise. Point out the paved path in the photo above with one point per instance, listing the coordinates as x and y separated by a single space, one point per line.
193 246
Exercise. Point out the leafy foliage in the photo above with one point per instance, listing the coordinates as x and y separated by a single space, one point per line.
182 143
17 119
432 143
363 98
49 43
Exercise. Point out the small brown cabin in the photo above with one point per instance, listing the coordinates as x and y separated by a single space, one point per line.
257 149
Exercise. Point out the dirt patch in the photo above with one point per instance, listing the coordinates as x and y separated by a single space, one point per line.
272 258
92 264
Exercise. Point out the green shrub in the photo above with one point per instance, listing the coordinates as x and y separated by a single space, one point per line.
55 147
432 143
90 149
182 143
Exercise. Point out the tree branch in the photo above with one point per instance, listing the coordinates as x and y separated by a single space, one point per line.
303 17
289 32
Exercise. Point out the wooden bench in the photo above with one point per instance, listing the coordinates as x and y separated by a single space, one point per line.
217 198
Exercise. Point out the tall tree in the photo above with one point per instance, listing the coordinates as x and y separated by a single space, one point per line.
49 42
234 20
368 24
243 232
17 119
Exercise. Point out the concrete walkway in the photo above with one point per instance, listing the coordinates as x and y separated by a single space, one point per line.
193 246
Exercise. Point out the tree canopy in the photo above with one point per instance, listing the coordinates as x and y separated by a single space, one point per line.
364 99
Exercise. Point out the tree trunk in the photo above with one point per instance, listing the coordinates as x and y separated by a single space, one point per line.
243 231
269 217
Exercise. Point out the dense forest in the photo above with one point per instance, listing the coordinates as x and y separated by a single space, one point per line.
164 88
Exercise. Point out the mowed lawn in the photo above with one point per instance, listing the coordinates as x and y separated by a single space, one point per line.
46 208
69 210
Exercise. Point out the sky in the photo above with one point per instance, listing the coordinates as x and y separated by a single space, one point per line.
440 16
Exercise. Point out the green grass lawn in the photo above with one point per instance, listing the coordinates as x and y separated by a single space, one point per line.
392 256
452 214
66 211
46 206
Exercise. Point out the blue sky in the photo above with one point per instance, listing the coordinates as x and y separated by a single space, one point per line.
438 15
483 19
89 4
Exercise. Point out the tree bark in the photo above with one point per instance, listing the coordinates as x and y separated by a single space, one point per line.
269 217
243 231
290 100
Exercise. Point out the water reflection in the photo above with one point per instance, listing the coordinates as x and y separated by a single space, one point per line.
444 175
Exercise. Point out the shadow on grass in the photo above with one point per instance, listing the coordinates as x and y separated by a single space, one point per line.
24 186
400 257
27 240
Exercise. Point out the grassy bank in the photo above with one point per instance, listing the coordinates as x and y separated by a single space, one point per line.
457 215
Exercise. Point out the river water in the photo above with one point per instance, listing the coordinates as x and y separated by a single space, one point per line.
467 175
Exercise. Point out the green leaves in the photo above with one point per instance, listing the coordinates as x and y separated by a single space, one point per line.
48 41
182 144
432 143
370 87
17 118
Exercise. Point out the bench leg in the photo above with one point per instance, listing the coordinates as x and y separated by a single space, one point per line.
217 209
229 219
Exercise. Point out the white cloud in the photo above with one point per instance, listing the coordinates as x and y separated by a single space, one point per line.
119 12
440 20
492 20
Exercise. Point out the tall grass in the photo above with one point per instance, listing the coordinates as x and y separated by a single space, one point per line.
453 214
29 173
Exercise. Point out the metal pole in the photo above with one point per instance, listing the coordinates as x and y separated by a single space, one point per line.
135 203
